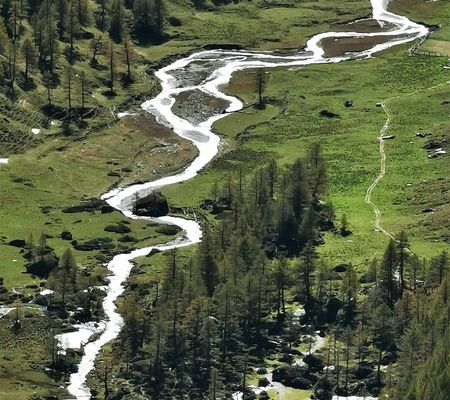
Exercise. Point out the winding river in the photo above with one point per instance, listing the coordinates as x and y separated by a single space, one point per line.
217 67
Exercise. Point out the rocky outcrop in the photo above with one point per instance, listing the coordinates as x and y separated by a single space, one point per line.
43 266
313 362
90 205
295 376
120 228
94 244
152 205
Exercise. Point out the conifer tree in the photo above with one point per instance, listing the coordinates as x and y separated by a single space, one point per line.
403 256
117 23
387 274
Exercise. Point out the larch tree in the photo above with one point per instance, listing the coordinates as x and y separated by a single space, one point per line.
388 279
117 21
29 56
403 256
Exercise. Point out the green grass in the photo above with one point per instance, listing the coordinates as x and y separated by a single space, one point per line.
250 26
349 142
433 13
22 372
48 177
290 394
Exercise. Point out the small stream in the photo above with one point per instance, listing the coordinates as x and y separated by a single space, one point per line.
208 72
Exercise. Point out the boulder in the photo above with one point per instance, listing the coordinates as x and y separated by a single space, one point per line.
119 228
301 383
286 374
323 394
127 239
31 286
153 251
94 244
116 396
313 362
341 268
329 114
89 205
152 205
264 395
168 230
43 266
17 243
362 371
261 371
333 306
389 358
41 300
174 21
263 382
66 235
107 209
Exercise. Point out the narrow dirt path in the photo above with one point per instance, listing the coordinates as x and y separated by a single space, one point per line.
370 189
368 198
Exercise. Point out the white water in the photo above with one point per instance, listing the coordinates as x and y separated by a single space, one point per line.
5 311
225 63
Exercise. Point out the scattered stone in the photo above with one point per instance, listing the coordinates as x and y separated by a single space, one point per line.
264 395
174 21
302 383
313 362
119 228
153 251
66 235
261 371
43 301
329 114
427 210
127 239
31 286
388 358
378 104
168 230
43 266
113 173
333 306
107 209
90 205
421 134
387 137
263 382
362 371
340 268
94 244
323 394
17 243
348 103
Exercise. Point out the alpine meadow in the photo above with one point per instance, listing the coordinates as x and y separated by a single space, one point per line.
224 200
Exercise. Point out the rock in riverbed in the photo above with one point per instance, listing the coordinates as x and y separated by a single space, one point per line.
152 205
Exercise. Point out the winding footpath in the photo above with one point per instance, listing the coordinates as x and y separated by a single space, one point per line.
384 129
183 76
368 198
